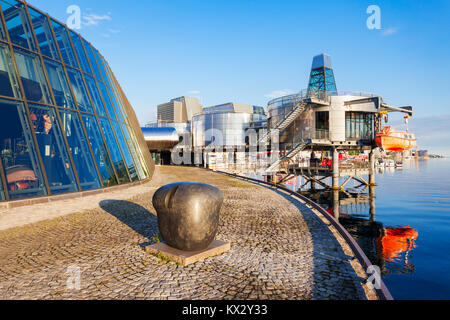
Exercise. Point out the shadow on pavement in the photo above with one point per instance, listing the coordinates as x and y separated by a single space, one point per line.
134 216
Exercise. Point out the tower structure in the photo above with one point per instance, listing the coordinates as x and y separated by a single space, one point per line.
322 81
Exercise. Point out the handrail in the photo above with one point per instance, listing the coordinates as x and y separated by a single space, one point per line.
383 292
320 94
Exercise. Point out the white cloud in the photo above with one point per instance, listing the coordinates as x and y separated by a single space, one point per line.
194 92
279 93
113 31
390 31
93 19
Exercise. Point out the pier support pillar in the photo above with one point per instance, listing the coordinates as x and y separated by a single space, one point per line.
336 204
313 183
335 170
372 203
372 168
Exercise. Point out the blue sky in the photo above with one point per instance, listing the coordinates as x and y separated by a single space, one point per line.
251 51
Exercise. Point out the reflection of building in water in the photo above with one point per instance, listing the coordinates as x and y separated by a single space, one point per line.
389 248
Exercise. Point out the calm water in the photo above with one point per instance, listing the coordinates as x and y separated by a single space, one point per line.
418 197
409 235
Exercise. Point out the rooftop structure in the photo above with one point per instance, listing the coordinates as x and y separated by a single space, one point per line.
179 110
322 75
66 124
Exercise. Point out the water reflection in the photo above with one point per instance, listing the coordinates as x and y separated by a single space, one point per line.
389 247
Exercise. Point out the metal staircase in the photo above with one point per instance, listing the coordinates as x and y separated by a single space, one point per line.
291 154
299 108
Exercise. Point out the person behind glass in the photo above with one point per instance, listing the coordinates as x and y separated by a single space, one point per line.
43 124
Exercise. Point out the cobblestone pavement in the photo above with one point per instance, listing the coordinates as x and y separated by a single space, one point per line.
280 249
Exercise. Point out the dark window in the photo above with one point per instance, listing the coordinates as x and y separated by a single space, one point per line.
32 76
8 79
18 153
100 152
55 156
113 147
125 151
322 125
84 163
79 90
17 23
44 34
59 84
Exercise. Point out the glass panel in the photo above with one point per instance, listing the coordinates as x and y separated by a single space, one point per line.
44 34
125 151
59 84
115 151
95 95
58 168
32 76
106 99
79 90
64 44
80 52
116 106
134 154
8 78
2 192
117 101
99 147
139 151
100 64
84 163
18 153
91 57
2 31
17 23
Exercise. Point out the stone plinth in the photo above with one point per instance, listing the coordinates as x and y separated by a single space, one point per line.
186 258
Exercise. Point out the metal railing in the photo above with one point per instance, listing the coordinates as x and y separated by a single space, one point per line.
320 95
322 134
383 291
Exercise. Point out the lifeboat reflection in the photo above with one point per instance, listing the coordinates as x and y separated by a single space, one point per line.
390 248
396 246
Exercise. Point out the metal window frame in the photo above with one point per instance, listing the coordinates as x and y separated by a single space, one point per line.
110 84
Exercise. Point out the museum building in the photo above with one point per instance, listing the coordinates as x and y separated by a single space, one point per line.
66 125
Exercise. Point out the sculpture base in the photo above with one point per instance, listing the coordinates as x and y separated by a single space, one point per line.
186 258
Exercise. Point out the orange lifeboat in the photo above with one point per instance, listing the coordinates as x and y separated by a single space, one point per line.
391 140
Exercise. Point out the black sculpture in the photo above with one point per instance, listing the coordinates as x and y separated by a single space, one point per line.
188 214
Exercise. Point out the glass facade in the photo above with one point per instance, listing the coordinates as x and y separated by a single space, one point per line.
359 126
65 123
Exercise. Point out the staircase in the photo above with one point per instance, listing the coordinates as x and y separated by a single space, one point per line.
286 122
291 154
